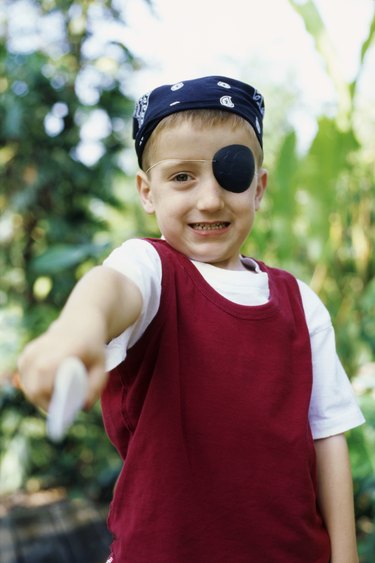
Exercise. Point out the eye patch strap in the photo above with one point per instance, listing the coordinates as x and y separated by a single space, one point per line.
164 159
233 167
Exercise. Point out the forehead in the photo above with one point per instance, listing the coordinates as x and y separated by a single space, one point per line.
189 140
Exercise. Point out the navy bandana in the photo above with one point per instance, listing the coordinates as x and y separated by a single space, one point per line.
209 92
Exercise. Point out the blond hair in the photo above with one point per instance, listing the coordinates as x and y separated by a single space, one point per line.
201 118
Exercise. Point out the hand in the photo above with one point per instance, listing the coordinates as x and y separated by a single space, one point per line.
102 305
41 358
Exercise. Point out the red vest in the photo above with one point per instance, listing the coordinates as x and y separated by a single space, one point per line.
209 413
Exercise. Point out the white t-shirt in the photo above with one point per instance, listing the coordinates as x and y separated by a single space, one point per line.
333 406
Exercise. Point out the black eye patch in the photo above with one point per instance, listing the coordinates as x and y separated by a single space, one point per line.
234 167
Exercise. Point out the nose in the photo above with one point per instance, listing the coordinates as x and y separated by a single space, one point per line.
210 196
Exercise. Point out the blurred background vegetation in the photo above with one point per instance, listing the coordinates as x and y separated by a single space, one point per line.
67 197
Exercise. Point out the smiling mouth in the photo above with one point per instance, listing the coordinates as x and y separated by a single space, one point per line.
209 226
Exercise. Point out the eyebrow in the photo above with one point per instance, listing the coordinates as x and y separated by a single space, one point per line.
178 161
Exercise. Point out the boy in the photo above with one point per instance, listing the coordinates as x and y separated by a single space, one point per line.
225 399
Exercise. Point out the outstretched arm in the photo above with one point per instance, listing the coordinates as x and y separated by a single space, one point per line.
335 496
101 306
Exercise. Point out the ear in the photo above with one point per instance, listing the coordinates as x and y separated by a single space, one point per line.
262 180
144 191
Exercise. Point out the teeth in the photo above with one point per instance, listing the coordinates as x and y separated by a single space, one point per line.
208 226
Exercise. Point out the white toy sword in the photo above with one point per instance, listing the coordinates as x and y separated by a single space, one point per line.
69 396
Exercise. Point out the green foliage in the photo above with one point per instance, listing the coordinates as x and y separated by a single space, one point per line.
83 461
57 185
317 221
362 442
51 200
327 229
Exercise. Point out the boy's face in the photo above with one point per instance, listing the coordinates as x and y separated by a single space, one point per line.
195 214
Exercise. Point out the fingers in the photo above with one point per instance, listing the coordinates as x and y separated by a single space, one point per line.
39 364
36 376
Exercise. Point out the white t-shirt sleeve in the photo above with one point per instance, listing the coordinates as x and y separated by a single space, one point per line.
138 260
333 407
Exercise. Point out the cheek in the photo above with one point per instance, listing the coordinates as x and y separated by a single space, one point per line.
172 202
243 203
244 209
168 211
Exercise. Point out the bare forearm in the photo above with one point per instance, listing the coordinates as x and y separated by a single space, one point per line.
336 497
107 296
101 306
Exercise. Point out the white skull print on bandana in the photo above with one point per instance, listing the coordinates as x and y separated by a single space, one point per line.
141 108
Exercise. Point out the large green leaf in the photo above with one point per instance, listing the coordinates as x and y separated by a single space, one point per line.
62 257
315 26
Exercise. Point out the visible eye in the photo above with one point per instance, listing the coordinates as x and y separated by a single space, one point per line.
182 177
